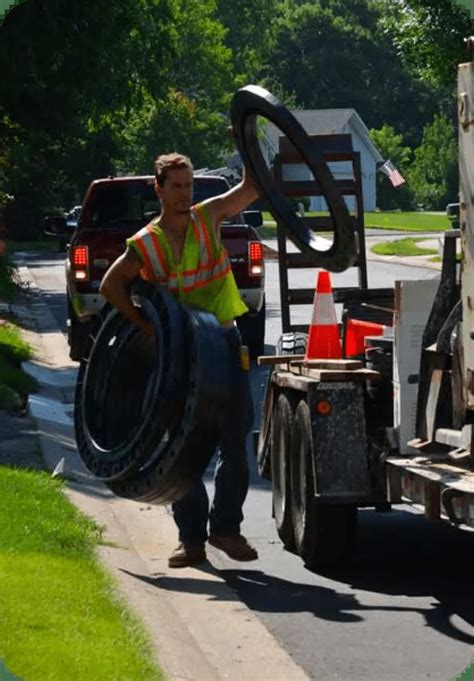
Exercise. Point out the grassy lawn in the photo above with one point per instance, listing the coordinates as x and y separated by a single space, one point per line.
15 384
403 247
60 615
410 222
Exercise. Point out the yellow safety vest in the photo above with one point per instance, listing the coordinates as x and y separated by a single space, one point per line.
203 279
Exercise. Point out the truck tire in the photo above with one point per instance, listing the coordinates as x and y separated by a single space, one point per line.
324 533
280 464
77 333
288 344
292 343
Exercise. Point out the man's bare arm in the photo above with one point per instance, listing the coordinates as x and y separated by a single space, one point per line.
114 288
232 202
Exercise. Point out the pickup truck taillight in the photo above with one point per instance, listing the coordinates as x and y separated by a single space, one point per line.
80 263
255 259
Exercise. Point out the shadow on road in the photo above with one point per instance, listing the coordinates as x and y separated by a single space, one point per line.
398 554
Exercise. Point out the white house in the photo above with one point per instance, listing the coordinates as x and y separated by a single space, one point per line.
329 122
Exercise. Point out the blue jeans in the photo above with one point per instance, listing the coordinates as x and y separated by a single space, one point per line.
231 477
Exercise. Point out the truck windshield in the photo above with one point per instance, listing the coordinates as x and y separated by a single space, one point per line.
207 187
131 205
123 204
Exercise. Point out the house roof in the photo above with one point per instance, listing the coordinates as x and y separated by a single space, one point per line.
327 122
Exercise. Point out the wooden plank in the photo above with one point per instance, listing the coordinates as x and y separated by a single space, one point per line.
432 501
334 147
313 188
444 474
394 485
285 379
264 360
333 375
337 364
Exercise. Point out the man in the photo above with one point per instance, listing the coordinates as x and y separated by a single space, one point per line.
182 251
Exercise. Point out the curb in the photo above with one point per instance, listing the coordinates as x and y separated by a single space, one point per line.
271 253
199 629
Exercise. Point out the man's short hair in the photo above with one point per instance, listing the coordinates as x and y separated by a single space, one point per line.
167 162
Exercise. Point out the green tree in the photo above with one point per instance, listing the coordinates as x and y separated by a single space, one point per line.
434 177
334 54
91 88
428 34
391 146
249 25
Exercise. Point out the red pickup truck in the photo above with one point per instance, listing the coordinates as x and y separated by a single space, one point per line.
114 208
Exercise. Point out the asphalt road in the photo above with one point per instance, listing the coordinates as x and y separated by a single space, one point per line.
402 611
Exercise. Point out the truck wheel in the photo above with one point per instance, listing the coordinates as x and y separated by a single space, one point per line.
280 463
324 533
288 344
292 343
77 333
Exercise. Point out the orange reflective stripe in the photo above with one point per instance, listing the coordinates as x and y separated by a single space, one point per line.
205 282
205 234
159 251
148 267
205 275
209 266
197 231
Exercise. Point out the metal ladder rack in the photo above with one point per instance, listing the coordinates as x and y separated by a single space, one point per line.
335 149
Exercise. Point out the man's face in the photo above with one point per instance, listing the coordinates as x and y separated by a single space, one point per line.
176 194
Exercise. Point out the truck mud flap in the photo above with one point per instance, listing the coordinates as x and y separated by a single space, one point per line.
147 410
247 104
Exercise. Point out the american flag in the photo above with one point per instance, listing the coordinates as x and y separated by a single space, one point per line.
395 177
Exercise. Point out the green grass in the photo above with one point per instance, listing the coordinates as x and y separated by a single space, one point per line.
402 247
15 384
410 222
12 344
60 614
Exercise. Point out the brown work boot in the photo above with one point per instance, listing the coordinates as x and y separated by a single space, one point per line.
235 546
186 555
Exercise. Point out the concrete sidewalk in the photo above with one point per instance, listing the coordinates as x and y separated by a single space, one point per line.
199 628
433 241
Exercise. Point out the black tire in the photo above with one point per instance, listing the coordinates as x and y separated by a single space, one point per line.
324 533
147 409
252 330
280 464
247 104
292 343
77 333
288 344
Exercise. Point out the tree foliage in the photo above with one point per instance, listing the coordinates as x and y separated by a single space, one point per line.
89 89
249 34
391 146
334 54
433 177
82 82
428 34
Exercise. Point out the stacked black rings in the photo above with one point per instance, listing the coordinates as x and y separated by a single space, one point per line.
147 409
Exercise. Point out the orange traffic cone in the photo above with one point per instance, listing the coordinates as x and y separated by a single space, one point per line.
356 331
323 341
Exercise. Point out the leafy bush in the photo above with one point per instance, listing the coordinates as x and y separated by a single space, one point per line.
8 287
